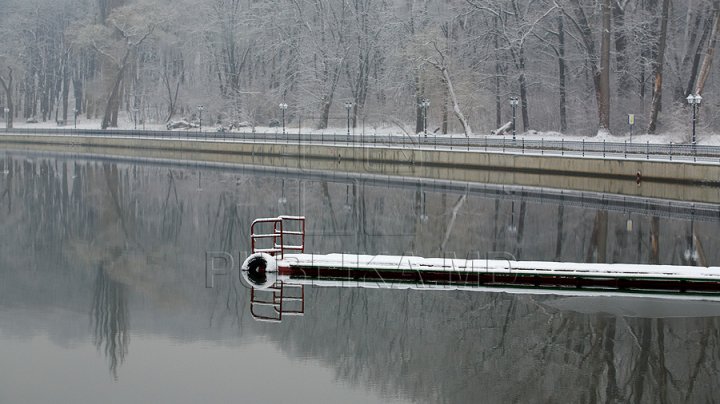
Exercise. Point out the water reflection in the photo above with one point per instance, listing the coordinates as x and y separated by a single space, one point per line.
110 319
129 240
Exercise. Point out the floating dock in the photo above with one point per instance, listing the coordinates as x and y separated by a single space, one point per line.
282 265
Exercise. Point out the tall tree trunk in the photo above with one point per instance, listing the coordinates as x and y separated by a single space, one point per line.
456 106
618 14
657 93
446 101
523 92
561 73
328 99
601 73
113 101
707 61
604 76
78 95
696 61
360 81
65 89
647 51
7 86
442 67
30 91
498 71
172 96
695 27
418 101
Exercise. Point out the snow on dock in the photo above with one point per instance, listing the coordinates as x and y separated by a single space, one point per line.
278 278
279 269
272 263
387 264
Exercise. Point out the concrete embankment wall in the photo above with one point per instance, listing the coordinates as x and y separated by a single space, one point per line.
671 180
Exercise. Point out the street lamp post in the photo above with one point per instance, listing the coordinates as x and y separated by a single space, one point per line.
424 104
135 111
514 104
7 114
283 107
348 105
694 100
201 108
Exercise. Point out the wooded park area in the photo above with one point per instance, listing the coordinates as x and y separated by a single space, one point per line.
576 66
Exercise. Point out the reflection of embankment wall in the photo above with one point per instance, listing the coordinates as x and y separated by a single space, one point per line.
84 203
681 181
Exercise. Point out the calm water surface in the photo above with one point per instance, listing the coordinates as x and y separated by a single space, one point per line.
103 297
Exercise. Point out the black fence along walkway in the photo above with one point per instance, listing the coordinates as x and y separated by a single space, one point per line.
495 144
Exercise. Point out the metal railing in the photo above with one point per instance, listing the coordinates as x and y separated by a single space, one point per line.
278 235
495 144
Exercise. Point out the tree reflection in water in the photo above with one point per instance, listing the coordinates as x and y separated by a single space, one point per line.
120 234
110 319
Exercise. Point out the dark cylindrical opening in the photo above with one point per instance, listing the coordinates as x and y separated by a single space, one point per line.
256 269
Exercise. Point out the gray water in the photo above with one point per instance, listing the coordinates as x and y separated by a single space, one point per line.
103 297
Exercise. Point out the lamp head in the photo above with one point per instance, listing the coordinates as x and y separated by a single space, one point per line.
694 99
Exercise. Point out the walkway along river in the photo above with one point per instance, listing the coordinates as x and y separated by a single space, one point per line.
636 176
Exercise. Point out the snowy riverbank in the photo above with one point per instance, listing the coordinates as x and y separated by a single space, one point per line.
675 137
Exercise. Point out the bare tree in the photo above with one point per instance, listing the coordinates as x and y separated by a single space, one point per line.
172 71
657 92
366 50
600 71
325 42
439 63
694 45
7 85
133 40
515 24
710 52
241 58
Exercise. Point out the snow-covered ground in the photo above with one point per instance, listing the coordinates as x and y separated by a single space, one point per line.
703 138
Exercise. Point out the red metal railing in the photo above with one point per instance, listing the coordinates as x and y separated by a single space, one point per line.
279 235
271 303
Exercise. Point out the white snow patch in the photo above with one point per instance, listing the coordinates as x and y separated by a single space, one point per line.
678 136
